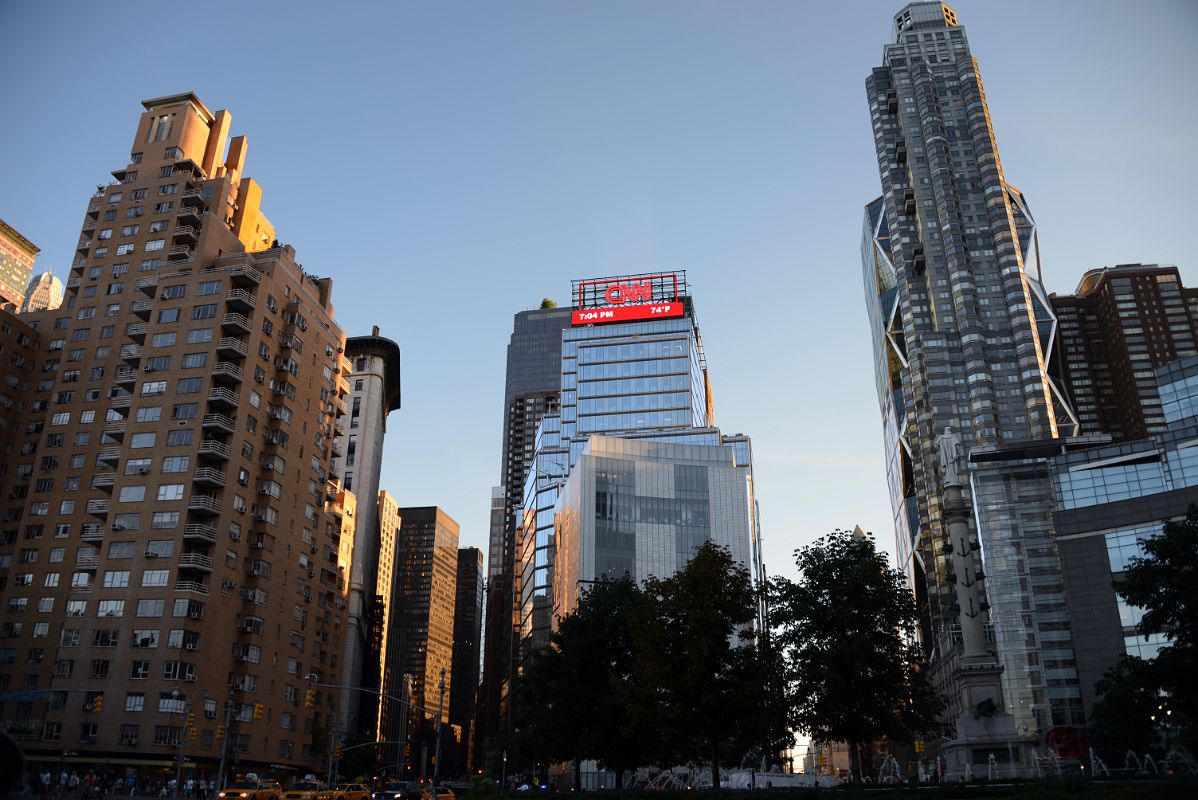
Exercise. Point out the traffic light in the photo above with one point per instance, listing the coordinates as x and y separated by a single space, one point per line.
220 731
192 734
98 704
257 711
337 751
191 720
310 699
919 745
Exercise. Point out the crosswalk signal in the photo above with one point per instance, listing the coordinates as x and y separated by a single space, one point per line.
310 699
257 711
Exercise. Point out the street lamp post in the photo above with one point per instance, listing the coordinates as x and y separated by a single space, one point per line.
503 774
224 748
437 757
182 737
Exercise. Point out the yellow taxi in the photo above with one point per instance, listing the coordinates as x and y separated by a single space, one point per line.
440 793
302 790
346 791
251 790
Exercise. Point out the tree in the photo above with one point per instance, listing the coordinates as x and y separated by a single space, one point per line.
1121 719
846 628
547 303
1165 584
571 691
694 690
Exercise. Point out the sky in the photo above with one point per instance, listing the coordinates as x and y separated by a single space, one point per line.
449 164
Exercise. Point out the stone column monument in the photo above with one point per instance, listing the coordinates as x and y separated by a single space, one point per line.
985 730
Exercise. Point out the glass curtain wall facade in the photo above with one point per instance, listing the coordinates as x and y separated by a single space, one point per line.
1110 500
962 332
617 379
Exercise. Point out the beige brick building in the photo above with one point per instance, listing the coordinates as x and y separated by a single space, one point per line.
174 539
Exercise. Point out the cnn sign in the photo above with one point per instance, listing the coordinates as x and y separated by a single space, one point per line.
628 298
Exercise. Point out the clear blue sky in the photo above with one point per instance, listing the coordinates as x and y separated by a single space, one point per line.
452 163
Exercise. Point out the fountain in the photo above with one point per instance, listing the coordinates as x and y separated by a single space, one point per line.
896 774
1097 766
1132 758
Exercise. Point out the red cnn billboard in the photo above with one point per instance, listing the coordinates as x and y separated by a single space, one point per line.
627 299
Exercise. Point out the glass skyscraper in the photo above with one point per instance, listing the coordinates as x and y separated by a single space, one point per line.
641 379
962 332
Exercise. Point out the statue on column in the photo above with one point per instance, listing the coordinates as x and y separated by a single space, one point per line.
951 453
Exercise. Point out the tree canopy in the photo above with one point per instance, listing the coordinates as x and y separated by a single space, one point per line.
1164 583
846 630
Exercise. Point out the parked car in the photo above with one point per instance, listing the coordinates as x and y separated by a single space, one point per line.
441 793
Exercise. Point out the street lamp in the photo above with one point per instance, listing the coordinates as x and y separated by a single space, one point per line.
437 757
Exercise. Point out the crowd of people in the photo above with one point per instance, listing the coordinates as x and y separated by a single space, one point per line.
94 786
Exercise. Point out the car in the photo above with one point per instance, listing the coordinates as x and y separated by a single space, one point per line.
251 790
440 793
346 791
400 790
303 790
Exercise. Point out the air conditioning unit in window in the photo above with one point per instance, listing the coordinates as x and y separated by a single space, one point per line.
118 526
195 614
143 470
191 646
151 554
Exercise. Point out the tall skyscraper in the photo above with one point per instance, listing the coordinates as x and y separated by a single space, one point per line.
425 595
632 367
961 329
467 649
44 293
531 389
374 382
391 716
17 255
1118 326
174 543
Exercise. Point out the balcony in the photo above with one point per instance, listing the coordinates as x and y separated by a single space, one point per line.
191 214
142 308
219 422
240 299
90 226
342 407
211 448
89 563
73 282
200 533
231 347
186 234
220 397
84 246
236 322
114 428
245 276
207 476
125 376
180 252
148 285
92 533
97 508
188 167
195 561
193 197
131 353
109 454
227 372
104 481
205 504
192 587
121 402
137 331
339 427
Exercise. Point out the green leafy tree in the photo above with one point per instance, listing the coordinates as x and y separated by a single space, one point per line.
571 694
846 629
1165 584
695 692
